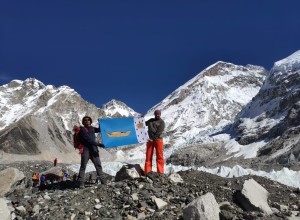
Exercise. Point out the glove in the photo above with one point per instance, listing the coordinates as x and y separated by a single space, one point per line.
101 145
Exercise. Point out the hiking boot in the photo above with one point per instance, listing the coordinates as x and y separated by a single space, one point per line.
81 185
103 181
98 181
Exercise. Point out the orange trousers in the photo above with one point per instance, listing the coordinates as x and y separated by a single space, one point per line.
159 149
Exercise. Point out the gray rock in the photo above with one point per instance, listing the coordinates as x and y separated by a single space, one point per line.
4 210
98 206
129 171
36 209
159 202
10 179
254 197
176 178
205 207
118 200
21 209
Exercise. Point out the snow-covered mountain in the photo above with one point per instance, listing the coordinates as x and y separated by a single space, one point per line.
225 114
273 116
115 109
208 102
38 120
265 134
31 97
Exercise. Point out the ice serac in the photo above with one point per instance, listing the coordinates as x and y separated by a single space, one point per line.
274 113
208 102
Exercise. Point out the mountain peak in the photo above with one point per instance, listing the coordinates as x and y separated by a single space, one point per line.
222 66
115 108
32 83
288 64
209 101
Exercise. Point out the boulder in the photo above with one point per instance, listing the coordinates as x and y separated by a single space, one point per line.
159 202
129 171
253 197
10 179
176 178
4 210
204 207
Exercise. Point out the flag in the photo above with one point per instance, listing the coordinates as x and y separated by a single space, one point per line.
123 131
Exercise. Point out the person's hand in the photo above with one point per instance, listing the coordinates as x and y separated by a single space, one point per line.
101 145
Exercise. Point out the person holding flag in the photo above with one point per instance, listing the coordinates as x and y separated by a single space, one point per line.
91 151
156 127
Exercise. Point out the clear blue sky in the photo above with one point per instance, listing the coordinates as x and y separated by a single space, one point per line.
139 51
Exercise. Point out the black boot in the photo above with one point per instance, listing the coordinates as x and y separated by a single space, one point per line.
80 184
102 180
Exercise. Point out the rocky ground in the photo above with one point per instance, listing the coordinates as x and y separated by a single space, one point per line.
134 198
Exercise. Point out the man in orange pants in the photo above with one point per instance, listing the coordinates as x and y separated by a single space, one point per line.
156 127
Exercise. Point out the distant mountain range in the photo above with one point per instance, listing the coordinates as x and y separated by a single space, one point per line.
37 120
222 107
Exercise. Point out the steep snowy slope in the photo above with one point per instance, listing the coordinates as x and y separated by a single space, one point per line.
274 114
208 102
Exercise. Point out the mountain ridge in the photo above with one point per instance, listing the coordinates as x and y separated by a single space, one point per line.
205 114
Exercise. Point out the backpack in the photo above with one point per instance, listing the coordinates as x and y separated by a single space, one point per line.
77 139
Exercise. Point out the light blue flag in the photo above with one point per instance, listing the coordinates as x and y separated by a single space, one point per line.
123 131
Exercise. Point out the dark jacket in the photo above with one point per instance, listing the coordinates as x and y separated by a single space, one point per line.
88 138
155 128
